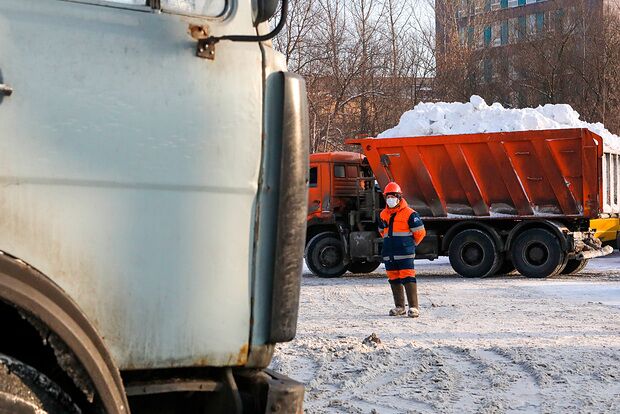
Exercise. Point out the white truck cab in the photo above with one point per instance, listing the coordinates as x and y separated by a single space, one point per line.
153 169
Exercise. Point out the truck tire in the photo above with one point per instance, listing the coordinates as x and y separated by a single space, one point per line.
325 255
574 266
537 253
473 253
24 390
363 267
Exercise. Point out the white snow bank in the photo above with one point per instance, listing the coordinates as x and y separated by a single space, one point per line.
476 116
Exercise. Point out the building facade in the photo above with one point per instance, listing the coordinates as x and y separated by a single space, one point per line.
504 49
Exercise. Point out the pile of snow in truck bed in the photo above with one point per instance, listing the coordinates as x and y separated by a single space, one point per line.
476 116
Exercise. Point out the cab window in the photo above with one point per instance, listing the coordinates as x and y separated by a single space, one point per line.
339 171
130 2
210 8
351 171
313 177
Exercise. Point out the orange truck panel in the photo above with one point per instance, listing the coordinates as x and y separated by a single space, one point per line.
513 174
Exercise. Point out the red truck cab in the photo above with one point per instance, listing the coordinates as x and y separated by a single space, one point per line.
341 190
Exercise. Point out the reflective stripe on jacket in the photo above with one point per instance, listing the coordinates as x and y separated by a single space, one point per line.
402 230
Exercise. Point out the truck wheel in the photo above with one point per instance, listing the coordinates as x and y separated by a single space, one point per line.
363 267
574 266
325 255
24 390
537 253
473 254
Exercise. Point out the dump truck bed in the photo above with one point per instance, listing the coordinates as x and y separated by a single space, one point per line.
507 175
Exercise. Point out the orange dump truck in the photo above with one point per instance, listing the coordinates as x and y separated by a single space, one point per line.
491 202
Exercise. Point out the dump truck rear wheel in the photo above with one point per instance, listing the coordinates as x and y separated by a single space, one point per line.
574 266
363 267
537 253
473 254
24 390
325 255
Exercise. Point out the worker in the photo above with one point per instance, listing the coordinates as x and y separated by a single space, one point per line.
402 230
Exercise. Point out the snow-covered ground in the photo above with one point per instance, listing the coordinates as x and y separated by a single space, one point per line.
502 344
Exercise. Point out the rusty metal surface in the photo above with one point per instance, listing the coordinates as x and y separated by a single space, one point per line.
285 395
138 215
514 174
172 385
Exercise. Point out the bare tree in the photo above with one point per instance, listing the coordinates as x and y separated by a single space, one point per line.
365 62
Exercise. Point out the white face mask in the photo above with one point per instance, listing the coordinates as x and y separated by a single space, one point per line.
392 202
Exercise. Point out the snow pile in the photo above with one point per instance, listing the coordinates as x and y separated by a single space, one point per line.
476 116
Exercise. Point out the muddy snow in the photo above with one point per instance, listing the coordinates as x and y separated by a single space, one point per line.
498 345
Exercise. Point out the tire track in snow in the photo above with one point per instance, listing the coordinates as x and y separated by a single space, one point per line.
489 381
385 382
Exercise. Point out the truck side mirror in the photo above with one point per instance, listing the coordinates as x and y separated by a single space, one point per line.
265 9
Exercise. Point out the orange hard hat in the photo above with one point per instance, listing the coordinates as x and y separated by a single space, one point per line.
392 187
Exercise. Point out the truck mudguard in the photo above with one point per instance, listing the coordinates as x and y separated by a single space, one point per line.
35 294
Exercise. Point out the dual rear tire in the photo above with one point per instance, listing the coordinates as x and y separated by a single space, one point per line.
474 253
538 253
535 253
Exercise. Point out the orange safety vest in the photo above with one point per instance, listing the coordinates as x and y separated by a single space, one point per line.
402 230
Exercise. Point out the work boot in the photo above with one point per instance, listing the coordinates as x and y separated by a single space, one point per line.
397 311
413 312
399 299
412 298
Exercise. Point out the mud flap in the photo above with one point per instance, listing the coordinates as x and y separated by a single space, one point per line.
267 391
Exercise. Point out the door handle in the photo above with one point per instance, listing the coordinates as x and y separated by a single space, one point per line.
5 90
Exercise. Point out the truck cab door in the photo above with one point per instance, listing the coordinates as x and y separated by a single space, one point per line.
130 167
314 191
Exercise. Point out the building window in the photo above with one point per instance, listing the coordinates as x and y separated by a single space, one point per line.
513 30
559 20
495 4
504 4
470 36
487 35
521 2
487 68
496 34
540 22
512 3
504 33
531 23
521 28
